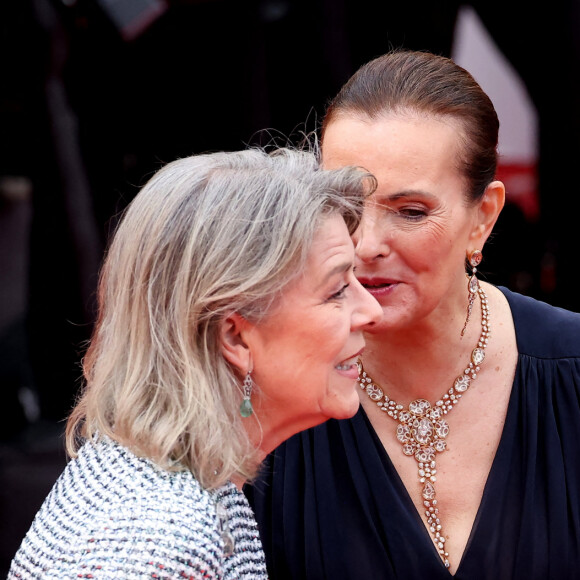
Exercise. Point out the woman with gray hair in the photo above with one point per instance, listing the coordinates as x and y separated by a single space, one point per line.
229 319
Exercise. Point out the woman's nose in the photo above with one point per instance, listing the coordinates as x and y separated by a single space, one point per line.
367 311
369 240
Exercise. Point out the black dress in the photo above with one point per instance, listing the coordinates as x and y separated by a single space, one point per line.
331 505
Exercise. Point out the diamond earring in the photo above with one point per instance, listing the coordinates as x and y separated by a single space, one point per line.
474 259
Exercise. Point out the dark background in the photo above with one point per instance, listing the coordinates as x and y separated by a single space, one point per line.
93 100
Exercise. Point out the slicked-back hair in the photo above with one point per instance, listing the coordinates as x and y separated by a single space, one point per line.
420 83
207 235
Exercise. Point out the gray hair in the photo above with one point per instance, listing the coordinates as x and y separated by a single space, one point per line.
207 235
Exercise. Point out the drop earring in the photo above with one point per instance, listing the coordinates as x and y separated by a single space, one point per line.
246 408
474 259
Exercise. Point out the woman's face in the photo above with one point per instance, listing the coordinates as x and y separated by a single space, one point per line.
417 226
304 353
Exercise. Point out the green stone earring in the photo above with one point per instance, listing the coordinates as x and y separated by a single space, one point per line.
246 408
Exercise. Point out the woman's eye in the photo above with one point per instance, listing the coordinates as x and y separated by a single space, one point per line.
412 213
340 293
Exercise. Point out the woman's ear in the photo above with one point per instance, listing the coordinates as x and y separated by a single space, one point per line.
233 346
488 212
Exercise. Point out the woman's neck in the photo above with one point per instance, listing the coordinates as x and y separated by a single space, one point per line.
421 362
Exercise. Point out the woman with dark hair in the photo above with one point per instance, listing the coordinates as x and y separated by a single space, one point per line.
463 458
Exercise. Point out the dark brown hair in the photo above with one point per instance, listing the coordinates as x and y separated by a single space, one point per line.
426 84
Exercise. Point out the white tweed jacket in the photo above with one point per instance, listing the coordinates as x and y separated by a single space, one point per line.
112 515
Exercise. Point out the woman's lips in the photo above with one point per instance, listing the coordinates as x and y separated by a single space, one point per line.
349 366
377 287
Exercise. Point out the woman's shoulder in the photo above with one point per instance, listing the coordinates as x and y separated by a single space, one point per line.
542 329
136 483
176 510
109 500
114 484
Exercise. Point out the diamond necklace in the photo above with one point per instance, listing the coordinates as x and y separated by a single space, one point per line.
422 429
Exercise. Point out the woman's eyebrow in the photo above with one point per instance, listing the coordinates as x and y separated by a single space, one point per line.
405 193
338 269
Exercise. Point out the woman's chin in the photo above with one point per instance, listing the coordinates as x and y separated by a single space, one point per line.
348 408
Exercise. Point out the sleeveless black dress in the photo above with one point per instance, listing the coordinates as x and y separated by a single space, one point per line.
330 504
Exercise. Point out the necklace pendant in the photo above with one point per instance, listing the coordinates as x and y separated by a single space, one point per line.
422 429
